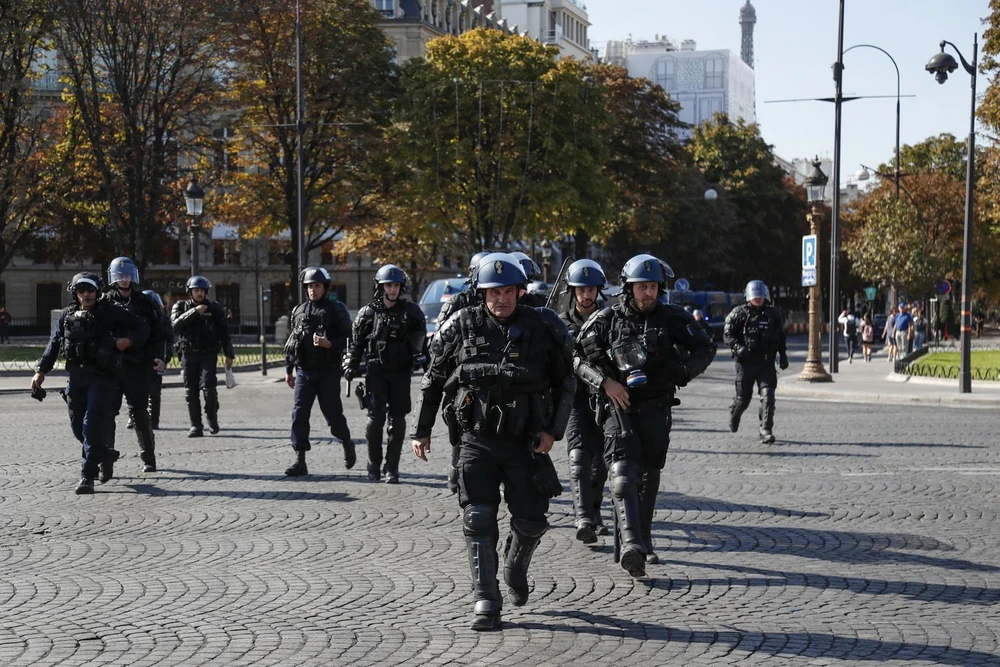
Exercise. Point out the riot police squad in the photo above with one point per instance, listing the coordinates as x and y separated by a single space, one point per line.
84 337
755 332
512 370
629 353
313 356
139 363
584 438
388 335
201 328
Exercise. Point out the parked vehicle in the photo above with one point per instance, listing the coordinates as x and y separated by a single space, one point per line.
435 296
715 305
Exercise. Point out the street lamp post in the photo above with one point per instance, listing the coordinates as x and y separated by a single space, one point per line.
546 260
941 65
813 371
194 198
898 157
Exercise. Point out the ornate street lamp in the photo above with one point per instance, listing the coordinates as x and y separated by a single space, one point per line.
813 371
941 65
194 197
546 260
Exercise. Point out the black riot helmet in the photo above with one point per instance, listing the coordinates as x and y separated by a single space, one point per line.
154 297
389 273
528 265
315 274
198 281
499 269
474 264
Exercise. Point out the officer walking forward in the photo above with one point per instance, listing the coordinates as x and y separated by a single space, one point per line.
755 332
512 367
313 355
469 297
140 363
389 333
584 438
201 326
628 352
84 337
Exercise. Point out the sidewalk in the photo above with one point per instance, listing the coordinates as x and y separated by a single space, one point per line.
874 382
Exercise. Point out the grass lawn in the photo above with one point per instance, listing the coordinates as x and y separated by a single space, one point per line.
986 362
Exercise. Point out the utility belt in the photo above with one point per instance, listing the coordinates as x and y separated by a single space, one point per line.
602 408
489 413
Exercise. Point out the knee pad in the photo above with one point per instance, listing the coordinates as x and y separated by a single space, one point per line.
479 520
579 461
623 478
532 529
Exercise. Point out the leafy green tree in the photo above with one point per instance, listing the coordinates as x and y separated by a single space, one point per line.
986 254
348 85
769 208
24 26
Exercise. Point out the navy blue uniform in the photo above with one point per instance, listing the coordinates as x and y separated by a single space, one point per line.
389 340
84 338
756 336
318 370
202 336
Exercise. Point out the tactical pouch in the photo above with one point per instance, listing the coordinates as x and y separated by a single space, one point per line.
465 408
451 421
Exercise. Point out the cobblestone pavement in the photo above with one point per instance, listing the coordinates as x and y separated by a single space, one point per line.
868 533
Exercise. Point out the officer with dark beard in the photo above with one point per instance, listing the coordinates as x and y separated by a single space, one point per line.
512 366
84 338
584 437
469 297
629 353
140 364
313 356
389 333
755 332
201 326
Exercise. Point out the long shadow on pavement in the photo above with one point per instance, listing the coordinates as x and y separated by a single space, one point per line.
829 545
881 444
803 644
770 452
151 490
678 501
919 591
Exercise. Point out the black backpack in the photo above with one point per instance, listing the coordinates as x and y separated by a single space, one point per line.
851 328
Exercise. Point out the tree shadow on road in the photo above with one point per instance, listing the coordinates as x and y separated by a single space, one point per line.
201 475
881 444
152 490
918 591
800 644
769 452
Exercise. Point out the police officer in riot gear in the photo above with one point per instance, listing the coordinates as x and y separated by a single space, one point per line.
584 438
313 355
84 337
755 332
156 386
201 326
389 333
140 364
469 297
512 369
629 353
534 273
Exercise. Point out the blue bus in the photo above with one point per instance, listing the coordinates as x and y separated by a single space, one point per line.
715 305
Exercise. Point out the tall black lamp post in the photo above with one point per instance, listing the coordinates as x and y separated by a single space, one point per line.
194 197
546 259
941 65
813 370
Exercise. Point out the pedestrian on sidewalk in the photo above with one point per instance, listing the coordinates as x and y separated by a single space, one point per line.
889 334
849 322
867 337
919 329
904 331
4 324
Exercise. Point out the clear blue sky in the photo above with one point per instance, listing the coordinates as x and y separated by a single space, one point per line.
795 43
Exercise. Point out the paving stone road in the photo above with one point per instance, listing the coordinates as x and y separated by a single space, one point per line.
868 533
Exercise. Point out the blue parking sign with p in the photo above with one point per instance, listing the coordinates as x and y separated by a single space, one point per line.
809 250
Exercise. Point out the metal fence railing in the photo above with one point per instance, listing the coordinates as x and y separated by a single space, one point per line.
913 366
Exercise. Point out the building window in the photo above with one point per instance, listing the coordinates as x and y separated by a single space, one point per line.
225 252
166 251
707 108
229 297
40 251
279 252
713 73
386 7
666 73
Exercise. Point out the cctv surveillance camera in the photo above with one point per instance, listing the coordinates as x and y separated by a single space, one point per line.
941 76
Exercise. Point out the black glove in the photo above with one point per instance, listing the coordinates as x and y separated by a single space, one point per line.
544 474
740 352
783 362
349 373
678 373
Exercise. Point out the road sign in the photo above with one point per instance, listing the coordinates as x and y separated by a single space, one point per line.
809 255
808 277
943 287
871 293
682 285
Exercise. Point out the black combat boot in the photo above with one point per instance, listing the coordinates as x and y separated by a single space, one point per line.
85 487
767 415
517 557
580 483
350 455
194 414
212 409
148 459
107 467
483 562
647 507
391 476
373 472
298 468
735 412
628 522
